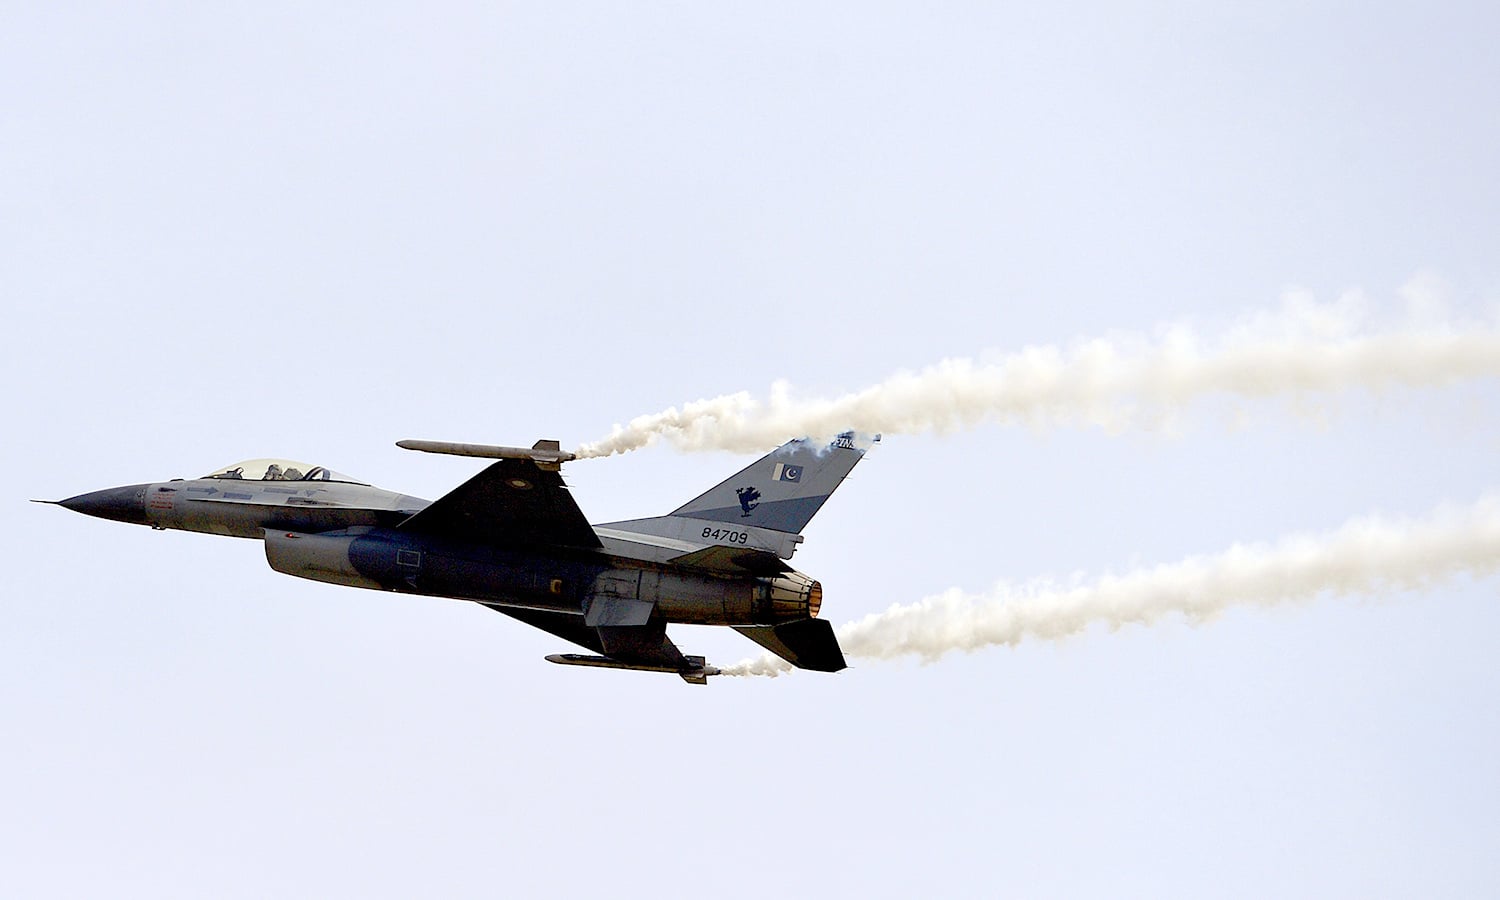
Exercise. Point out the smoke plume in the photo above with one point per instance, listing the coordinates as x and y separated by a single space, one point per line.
1365 556
1303 349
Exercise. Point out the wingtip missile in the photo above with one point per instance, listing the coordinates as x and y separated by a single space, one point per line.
698 674
542 453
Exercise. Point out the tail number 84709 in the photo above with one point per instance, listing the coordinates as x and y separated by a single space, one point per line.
726 536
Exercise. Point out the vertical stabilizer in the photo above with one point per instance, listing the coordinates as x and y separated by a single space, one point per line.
763 507
782 490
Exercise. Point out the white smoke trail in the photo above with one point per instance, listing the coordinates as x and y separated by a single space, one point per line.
1115 383
1365 556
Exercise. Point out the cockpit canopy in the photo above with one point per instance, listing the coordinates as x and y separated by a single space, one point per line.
278 470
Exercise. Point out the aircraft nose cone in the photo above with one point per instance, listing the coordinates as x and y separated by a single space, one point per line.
122 504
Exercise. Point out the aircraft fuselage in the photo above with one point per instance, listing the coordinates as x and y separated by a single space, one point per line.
345 534
513 539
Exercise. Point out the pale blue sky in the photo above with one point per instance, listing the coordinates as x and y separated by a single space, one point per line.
298 231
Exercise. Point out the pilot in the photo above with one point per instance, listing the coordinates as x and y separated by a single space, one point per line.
273 473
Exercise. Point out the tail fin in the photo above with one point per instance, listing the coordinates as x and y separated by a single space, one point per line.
782 490
763 507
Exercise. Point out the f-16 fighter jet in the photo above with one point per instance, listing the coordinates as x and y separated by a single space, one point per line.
511 538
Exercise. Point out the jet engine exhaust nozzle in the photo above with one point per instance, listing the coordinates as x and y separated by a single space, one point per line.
789 597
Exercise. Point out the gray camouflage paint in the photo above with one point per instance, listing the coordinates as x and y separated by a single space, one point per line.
616 597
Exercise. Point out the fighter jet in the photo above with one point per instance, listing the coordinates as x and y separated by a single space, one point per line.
511 538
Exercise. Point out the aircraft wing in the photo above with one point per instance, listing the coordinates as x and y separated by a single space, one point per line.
513 502
567 626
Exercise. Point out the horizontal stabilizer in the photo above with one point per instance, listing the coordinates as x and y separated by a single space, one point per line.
806 643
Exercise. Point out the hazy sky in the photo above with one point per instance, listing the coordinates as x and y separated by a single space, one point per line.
311 231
